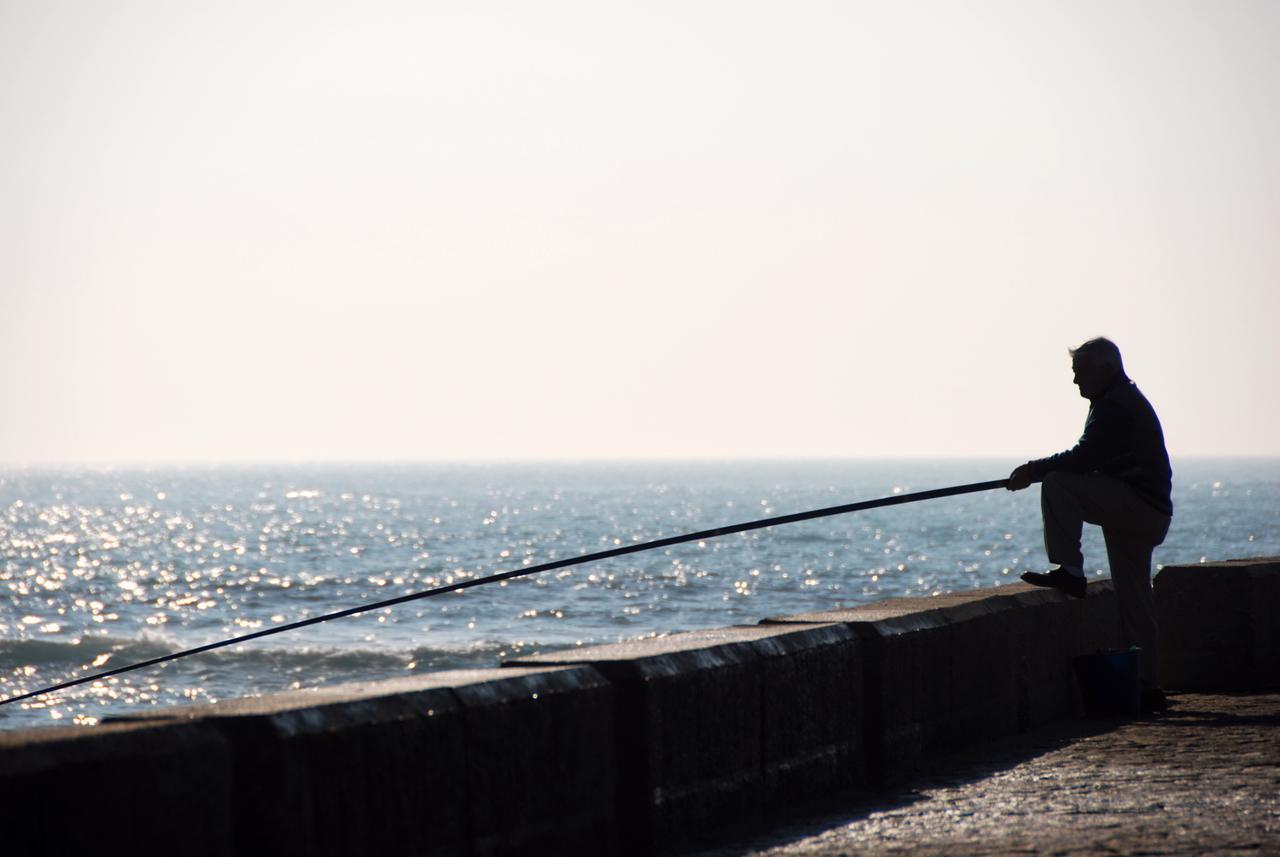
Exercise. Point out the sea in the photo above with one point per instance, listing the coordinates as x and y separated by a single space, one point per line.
105 567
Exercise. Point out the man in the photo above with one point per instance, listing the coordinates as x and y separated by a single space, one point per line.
1118 477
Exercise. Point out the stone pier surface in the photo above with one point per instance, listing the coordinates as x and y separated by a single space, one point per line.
1202 779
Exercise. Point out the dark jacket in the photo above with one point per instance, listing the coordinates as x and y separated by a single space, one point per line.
1122 438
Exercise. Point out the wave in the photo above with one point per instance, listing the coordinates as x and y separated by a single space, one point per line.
102 653
57 653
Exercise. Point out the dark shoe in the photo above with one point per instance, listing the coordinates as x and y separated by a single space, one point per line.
1063 581
1153 701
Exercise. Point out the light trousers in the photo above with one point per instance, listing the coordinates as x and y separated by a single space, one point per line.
1131 528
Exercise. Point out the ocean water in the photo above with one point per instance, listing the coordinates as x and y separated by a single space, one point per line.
105 567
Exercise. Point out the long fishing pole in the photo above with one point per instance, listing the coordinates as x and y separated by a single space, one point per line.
796 517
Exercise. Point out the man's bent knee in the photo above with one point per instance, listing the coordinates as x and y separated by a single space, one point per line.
1057 483
1052 480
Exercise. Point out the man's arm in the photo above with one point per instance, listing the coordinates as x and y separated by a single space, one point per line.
1106 434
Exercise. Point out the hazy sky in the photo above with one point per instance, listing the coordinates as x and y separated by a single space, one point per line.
430 230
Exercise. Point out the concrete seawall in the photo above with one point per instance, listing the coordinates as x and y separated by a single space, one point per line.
723 724
943 672
633 748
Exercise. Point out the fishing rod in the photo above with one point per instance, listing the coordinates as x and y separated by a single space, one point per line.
779 520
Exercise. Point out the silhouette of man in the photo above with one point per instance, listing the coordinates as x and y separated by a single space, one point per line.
1118 477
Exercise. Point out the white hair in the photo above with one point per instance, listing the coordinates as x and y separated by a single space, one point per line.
1101 352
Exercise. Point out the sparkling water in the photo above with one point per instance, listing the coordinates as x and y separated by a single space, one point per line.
107 567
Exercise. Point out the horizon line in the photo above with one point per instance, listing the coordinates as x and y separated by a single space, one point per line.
107 464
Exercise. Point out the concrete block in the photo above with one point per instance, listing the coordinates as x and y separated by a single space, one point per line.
1265 619
1045 632
811 714
541 771
1048 630
712 725
1218 625
906 661
139 788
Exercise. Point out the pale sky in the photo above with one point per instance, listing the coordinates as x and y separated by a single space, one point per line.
259 231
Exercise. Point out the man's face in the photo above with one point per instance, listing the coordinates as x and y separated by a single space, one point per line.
1088 376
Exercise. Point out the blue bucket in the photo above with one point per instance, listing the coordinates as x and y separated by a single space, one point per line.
1109 683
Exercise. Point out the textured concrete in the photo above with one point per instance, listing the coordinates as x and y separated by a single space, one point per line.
1220 624
812 713
146 788
1047 631
541 774
715 726
1204 779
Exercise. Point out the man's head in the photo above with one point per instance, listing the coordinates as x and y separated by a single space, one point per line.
1094 364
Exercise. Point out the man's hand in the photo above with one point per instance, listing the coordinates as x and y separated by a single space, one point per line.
1020 477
